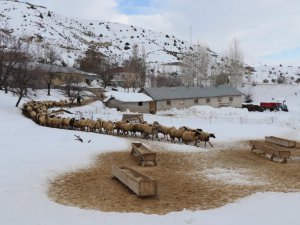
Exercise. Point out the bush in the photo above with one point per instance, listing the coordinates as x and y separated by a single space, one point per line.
281 80
265 81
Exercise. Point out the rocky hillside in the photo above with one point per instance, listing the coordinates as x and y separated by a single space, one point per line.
70 37
42 27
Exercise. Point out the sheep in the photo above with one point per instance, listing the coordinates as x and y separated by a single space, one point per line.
127 127
66 123
191 136
136 127
32 115
91 125
204 136
41 118
148 129
98 126
73 123
118 125
108 127
56 121
177 133
165 130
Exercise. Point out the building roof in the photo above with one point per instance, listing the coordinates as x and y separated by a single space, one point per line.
166 93
127 97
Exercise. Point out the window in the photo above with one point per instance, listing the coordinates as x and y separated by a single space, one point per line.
140 104
208 100
219 99
196 101
230 98
168 102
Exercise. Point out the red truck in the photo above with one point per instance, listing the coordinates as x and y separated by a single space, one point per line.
274 106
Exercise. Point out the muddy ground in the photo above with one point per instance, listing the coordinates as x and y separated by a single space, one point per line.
185 180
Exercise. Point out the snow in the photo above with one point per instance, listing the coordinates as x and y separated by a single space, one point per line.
128 97
32 155
231 176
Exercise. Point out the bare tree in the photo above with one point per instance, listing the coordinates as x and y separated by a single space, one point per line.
21 77
49 76
51 55
72 88
96 62
136 69
234 63
195 67
10 55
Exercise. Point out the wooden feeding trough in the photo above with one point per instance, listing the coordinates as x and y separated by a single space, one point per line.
139 183
271 150
281 141
134 118
145 156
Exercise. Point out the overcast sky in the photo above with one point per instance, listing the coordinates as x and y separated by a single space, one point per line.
267 30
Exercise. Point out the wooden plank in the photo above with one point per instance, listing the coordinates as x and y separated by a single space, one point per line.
141 184
146 156
281 141
271 150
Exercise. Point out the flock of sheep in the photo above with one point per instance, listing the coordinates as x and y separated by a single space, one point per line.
38 111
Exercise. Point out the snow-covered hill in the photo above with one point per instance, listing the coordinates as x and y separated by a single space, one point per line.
71 37
273 74
41 27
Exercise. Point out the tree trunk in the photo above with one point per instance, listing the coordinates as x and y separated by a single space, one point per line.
19 99
6 89
48 86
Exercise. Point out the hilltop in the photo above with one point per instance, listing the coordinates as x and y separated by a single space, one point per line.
71 37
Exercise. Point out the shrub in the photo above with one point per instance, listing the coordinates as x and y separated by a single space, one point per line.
281 80
265 81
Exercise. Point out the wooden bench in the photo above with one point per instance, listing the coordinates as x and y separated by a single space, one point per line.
281 141
270 150
145 156
139 183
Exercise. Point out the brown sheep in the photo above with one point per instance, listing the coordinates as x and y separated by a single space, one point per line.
165 130
108 127
204 136
148 129
118 125
127 127
177 133
66 123
98 126
191 136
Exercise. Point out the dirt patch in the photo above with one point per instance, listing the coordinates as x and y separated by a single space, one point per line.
185 181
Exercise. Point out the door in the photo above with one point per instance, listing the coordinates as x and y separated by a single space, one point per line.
152 107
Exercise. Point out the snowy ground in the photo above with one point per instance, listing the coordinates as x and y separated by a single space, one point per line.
31 155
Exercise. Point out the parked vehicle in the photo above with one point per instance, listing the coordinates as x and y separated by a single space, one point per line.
277 106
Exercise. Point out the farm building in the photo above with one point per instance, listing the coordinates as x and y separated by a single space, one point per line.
135 102
184 97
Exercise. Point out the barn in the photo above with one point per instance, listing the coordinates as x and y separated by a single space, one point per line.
184 97
122 101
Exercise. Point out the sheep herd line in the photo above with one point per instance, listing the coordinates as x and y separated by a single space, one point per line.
38 112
